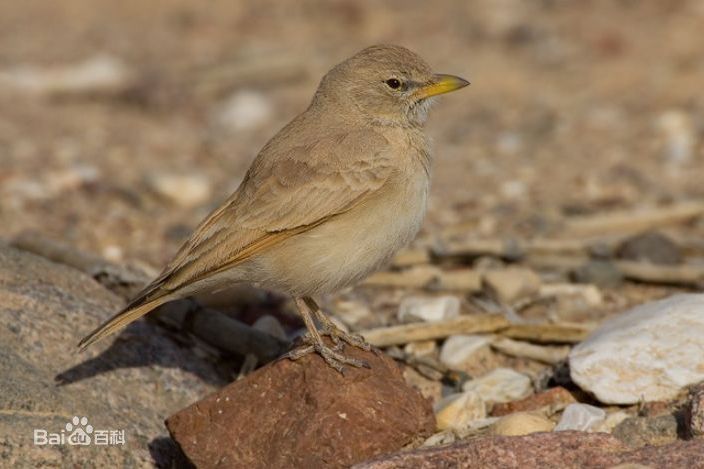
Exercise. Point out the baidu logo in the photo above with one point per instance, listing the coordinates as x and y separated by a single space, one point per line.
78 432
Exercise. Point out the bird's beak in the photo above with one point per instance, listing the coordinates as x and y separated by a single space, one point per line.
441 84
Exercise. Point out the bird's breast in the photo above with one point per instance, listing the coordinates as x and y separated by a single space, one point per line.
351 245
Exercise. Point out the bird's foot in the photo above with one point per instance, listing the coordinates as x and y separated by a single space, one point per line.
331 355
337 335
313 342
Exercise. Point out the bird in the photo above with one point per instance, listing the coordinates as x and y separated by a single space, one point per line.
327 201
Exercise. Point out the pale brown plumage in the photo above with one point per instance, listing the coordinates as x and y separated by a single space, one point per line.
331 197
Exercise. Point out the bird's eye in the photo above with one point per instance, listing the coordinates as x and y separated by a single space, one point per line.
393 83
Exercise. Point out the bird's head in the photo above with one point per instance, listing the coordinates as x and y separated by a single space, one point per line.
389 84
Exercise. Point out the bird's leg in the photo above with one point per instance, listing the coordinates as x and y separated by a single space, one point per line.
335 333
327 327
315 343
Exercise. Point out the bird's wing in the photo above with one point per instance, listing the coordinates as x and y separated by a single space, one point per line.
283 194
280 197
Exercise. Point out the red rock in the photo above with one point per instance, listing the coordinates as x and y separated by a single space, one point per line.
304 414
685 454
554 398
564 450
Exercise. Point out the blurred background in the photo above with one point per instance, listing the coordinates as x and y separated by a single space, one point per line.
122 124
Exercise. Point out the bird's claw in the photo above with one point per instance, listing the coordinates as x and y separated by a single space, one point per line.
330 329
331 355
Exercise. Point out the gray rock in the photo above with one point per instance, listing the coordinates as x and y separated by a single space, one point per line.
641 431
271 326
695 411
131 384
652 247
601 273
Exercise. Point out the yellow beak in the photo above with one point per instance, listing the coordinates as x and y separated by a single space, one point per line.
441 84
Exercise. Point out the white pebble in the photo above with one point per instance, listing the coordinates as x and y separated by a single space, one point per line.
500 385
185 190
678 133
113 253
648 353
428 309
581 417
459 349
245 110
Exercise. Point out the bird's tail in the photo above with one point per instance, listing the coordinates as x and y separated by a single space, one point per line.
120 320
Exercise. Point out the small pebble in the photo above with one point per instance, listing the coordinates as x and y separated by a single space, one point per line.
650 247
522 423
444 437
457 411
429 388
679 136
500 385
601 273
576 295
416 308
184 190
512 284
612 421
459 349
551 354
421 348
549 402
113 253
271 326
245 110
581 417
352 312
